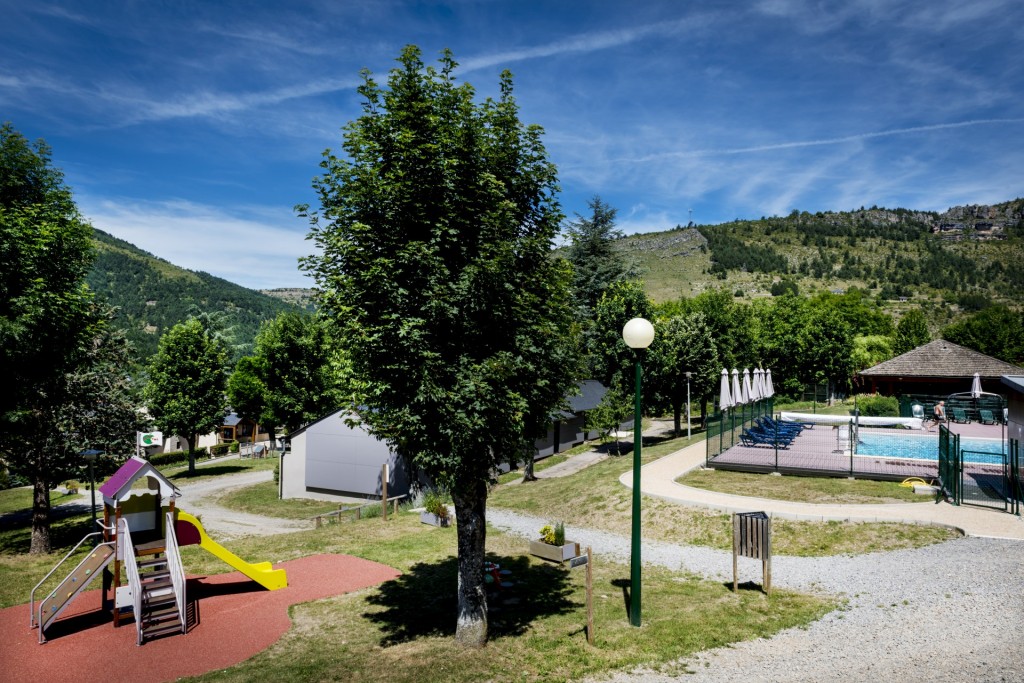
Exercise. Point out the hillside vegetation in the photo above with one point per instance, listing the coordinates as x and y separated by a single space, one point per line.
962 257
152 295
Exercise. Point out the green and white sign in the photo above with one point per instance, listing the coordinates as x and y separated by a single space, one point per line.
147 439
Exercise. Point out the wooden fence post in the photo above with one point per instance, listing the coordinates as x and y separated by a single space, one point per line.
590 597
384 492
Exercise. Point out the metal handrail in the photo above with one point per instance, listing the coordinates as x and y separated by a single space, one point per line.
131 565
32 622
175 568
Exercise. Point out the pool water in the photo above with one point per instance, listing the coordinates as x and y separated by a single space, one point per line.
987 451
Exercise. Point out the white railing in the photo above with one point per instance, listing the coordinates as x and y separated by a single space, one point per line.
131 565
177 571
34 619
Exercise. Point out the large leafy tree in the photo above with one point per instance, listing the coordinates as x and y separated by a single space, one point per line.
94 405
733 327
247 392
185 394
911 332
436 229
611 361
683 344
295 357
46 315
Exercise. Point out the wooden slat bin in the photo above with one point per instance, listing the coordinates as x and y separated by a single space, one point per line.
752 537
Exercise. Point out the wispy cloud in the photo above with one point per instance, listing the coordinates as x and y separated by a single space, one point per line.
256 247
587 42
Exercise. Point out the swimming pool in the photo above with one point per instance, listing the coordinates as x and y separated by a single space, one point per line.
981 451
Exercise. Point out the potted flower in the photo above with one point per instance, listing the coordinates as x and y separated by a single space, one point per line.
552 544
435 511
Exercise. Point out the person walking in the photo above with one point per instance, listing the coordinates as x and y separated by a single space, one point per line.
939 413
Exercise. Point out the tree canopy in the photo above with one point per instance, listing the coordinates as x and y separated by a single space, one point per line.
64 388
293 362
911 332
185 393
683 344
595 262
436 228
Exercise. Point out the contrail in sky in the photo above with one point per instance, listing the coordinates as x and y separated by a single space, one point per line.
833 141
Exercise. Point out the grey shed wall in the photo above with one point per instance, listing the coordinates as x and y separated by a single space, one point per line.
341 461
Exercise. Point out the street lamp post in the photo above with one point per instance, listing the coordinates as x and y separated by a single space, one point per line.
90 456
688 375
638 334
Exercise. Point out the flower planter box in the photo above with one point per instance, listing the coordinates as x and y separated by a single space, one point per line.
434 520
555 553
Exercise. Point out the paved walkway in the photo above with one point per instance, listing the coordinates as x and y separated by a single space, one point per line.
658 480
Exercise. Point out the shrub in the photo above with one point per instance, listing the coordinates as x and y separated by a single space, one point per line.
220 449
878 406
434 503
553 534
233 447
175 457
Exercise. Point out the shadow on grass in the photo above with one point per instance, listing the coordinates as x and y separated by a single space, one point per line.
744 586
423 601
68 525
625 446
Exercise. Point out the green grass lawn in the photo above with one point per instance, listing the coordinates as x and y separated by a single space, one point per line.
261 499
403 630
179 473
13 500
803 489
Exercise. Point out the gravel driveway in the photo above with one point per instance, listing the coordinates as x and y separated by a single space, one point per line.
221 523
946 612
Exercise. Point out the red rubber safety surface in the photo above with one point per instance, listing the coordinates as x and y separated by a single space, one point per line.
231 619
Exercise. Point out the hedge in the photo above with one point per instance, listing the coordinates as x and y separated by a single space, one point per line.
878 406
176 457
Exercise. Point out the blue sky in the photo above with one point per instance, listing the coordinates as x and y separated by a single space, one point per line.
192 128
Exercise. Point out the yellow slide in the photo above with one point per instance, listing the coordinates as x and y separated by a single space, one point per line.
190 531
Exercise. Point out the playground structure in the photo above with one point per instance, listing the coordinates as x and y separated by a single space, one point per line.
139 542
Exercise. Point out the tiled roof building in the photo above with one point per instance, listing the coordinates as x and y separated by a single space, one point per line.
939 367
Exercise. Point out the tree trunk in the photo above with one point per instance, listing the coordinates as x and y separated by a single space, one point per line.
191 440
40 516
703 413
470 501
677 412
272 433
528 474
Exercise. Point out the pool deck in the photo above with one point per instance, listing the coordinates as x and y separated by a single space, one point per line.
816 450
658 479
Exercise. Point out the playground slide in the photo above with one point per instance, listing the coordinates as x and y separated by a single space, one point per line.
75 582
190 531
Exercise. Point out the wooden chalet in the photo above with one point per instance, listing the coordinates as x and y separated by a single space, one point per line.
937 368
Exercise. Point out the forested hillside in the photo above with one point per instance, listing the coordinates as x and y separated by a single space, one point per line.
964 257
152 295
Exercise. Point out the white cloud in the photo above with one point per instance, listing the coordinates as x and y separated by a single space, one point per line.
256 247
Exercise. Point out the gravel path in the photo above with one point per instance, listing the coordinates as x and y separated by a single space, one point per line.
947 612
221 523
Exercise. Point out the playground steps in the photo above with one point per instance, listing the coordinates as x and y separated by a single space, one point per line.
160 614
